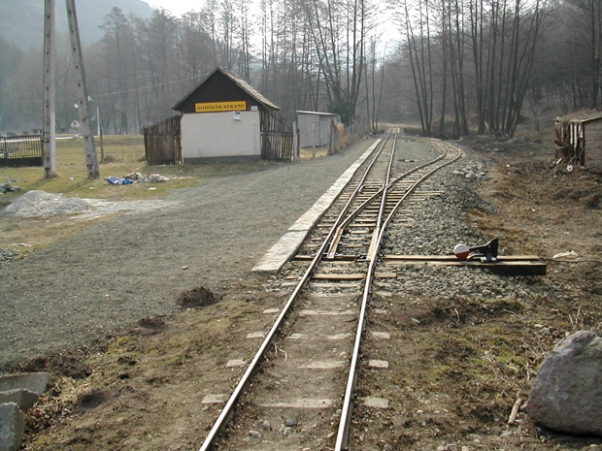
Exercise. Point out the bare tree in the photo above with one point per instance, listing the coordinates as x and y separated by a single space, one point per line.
417 28
340 31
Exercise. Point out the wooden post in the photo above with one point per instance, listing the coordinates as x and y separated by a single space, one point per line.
78 62
99 129
295 143
49 137
313 150
331 140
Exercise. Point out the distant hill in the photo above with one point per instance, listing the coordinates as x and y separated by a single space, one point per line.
22 21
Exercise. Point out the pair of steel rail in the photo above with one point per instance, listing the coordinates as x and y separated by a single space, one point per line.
328 249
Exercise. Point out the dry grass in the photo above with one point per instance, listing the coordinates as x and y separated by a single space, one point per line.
126 154
307 153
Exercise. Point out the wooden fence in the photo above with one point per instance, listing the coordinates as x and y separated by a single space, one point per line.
162 143
21 150
277 145
276 138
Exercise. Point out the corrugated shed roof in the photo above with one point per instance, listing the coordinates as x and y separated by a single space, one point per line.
240 82
316 113
581 117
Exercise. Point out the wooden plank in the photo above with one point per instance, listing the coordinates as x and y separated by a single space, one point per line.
507 258
338 277
514 268
385 275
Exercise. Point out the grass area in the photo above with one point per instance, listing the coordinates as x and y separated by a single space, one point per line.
126 155
307 153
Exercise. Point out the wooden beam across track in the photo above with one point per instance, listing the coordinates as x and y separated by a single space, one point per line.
514 265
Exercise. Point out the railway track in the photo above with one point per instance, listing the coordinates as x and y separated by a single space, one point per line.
298 391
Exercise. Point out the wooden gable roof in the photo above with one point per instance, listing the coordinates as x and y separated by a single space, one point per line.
222 86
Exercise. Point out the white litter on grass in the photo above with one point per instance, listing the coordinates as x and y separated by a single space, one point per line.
571 254
40 203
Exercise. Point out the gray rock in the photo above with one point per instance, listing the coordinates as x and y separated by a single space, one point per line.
291 422
12 427
34 382
24 398
265 425
567 393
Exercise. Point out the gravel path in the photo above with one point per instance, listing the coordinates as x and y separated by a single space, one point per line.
83 289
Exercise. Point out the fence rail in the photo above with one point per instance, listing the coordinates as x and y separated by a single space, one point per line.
21 150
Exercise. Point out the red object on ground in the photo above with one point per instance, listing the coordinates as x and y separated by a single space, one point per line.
461 250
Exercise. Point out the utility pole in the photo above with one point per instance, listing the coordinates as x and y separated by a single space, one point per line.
49 137
76 52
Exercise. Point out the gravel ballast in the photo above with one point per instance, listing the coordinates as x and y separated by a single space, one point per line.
442 223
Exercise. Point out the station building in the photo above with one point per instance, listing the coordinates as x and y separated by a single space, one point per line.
225 119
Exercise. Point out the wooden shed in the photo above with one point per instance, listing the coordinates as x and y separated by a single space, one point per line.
578 139
225 119
315 127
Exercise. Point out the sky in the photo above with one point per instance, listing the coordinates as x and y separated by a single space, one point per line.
177 7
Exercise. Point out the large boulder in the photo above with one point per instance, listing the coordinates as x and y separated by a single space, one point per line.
12 427
34 382
567 393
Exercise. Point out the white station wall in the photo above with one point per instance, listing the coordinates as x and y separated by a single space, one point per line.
593 144
220 136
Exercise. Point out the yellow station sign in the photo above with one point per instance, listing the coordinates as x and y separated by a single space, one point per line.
213 107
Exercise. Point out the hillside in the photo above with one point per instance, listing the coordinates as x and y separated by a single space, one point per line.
22 21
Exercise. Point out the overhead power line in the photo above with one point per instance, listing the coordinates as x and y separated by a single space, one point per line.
106 94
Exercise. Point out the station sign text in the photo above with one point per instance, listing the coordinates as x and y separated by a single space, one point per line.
213 107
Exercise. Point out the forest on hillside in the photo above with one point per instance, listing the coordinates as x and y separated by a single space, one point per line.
460 65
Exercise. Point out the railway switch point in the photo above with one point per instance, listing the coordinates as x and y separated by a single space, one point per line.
487 251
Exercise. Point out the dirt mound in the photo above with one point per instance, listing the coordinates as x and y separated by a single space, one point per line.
90 400
39 203
149 326
197 297
60 365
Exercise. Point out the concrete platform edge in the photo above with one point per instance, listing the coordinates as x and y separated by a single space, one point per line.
289 243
